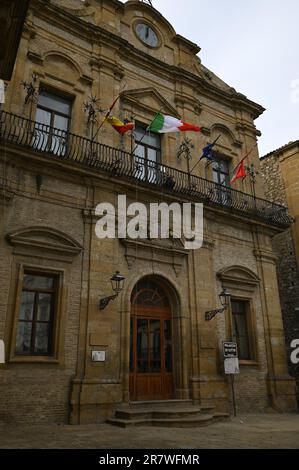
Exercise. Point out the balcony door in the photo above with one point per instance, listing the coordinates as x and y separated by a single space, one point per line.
53 116
221 176
148 148
151 357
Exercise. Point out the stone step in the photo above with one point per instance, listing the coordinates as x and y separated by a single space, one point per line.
170 423
165 413
221 416
158 413
207 409
171 404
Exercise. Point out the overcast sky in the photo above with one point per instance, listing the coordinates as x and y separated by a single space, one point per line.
254 47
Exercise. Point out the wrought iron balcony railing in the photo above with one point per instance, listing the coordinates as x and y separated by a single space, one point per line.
58 144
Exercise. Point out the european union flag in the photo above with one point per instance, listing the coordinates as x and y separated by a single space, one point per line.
207 152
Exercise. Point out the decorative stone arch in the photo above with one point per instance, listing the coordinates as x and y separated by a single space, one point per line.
181 356
68 61
228 138
44 241
63 62
238 277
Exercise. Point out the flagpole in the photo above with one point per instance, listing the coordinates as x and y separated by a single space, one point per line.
146 130
195 166
109 110
107 115
133 135
244 158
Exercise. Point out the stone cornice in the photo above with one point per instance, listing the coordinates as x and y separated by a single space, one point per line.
6 196
35 58
265 256
78 27
245 127
6 193
182 100
191 46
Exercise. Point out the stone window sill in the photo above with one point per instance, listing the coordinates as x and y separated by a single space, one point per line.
33 359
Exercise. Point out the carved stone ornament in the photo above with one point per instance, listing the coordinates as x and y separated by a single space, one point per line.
171 252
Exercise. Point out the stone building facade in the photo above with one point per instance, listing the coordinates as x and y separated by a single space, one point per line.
57 166
280 170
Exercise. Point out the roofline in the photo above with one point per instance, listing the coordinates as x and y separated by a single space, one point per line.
230 96
282 149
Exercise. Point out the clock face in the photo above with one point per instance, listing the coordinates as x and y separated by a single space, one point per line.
147 35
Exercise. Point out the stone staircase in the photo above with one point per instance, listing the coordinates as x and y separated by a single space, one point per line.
169 413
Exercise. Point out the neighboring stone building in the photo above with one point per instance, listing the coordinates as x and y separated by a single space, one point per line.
54 270
12 17
280 170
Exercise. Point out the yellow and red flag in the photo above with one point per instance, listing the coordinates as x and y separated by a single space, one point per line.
120 126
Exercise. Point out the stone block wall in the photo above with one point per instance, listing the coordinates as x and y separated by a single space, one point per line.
284 244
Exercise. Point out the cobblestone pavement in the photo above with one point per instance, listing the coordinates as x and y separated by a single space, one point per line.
247 432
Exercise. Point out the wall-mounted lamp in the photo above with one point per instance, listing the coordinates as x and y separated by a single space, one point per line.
117 283
224 297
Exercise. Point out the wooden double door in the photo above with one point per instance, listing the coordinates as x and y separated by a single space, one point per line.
151 348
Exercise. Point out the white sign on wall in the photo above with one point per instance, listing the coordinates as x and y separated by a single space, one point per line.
231 366
2 352
98 356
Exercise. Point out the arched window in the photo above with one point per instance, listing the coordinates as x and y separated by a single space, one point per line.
148 293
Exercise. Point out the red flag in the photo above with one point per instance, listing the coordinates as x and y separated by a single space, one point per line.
240 172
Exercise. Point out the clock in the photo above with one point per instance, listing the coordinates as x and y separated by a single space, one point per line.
147 35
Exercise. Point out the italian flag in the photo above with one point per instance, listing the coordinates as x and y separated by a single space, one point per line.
163 124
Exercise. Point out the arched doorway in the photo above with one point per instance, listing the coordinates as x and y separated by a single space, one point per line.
151 348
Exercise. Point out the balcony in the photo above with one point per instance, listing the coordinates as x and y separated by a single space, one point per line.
76 150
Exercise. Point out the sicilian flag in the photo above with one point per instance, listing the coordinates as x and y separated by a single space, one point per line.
164 124
120 126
